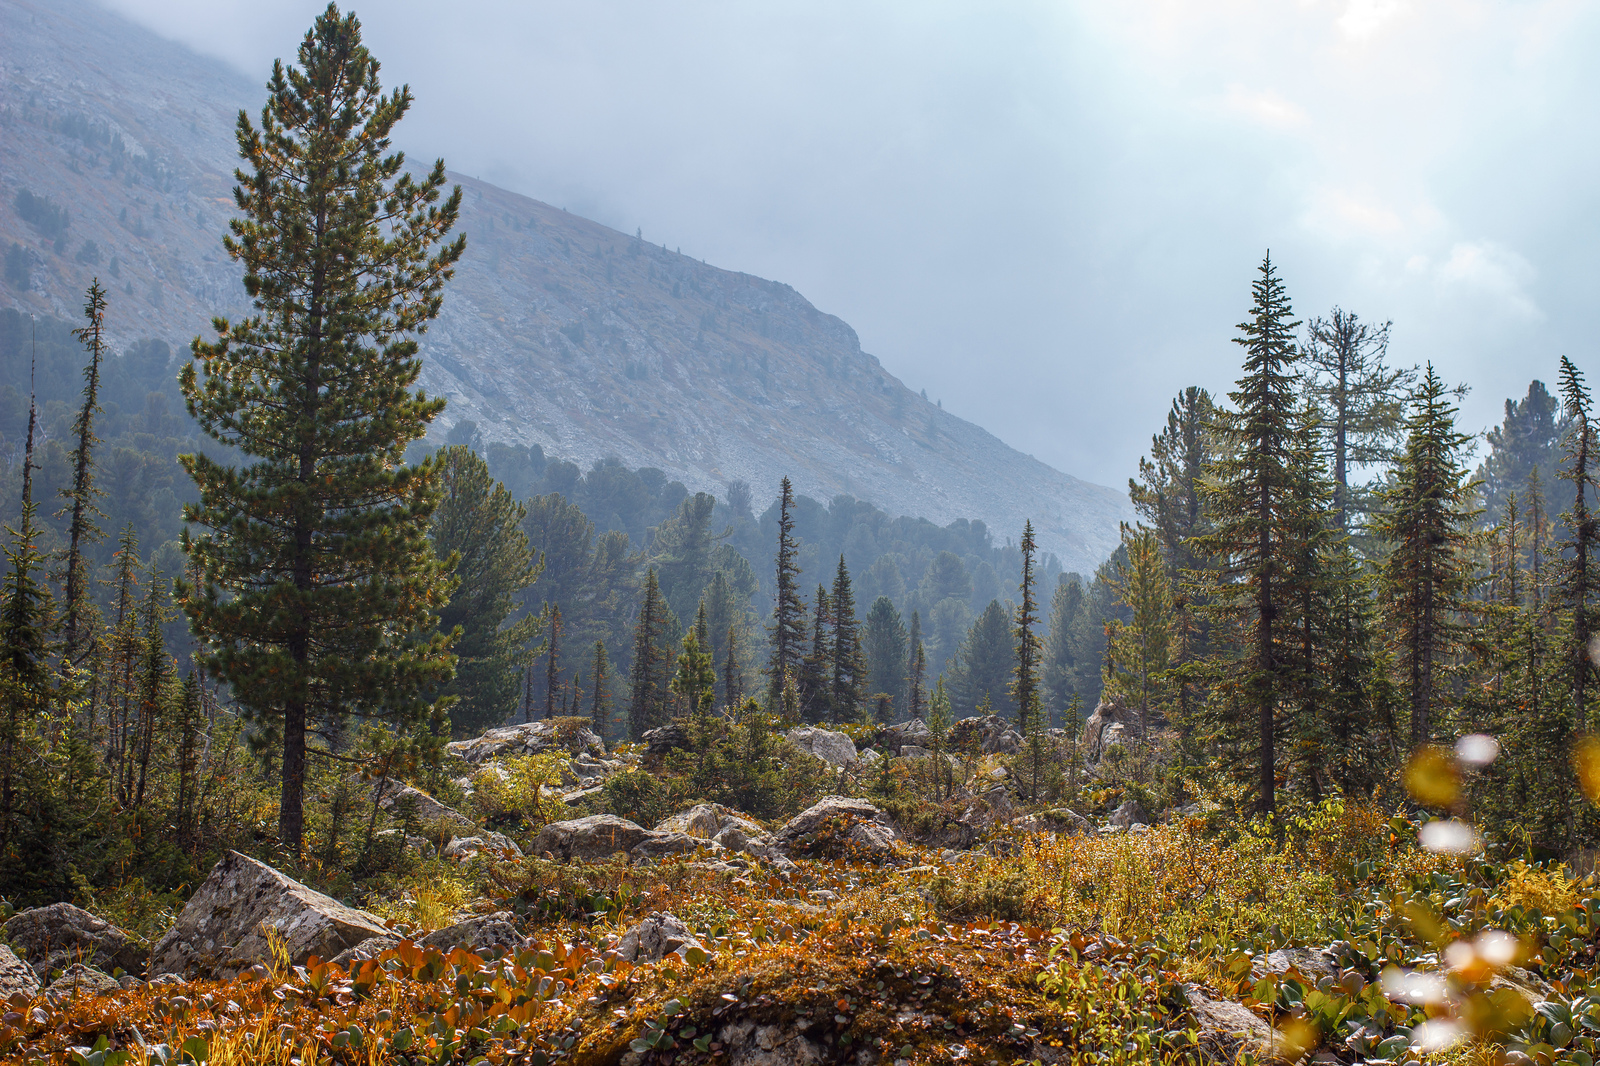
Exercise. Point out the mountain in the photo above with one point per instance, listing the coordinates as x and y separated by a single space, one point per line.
116 160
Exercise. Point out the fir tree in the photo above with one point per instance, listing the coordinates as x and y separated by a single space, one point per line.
812 684
1248 491
552 667
694 682
1063 668
1526 444
983 673
647 676
1168 493
1427 574
480 526
848 682
1144 642
884 641
913 649
916 705
788 616
155 670
600 702
732 675
1577 579
1031 717
317 572
78 618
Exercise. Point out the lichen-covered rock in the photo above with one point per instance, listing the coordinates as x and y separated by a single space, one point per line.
801 833
750 1043
836 749
467 847
665 845
222 929
54 937
1228 1030
478 935
1107 727
706 820
911 733
811 819
428 813
570 735
16 976
989 734
656 937
599 836
81 981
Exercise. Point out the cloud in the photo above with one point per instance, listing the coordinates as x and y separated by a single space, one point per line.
1484 268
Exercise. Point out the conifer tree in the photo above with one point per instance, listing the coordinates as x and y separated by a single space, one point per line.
732 676
191 719
813 684
788 616
600 703
1063 666
1025 681
647 676
1426 577
884 641
154 673
552 666
1363 402
1308 529
317 574
1144 642
1579 567
1168 492
916 703
694 682
913 647
78 617
1250 487
848 682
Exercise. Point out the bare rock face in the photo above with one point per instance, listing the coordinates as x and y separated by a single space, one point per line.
654 938
599 836
750 1043
55 937
569 735
836 749
16 976
83 981
222 928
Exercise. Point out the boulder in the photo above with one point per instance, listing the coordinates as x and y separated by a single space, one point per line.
1110 724
369 948
836 749
1311 963
989 734
571 735
752 1043
699 821
394 796
477 935
915 751
81 980
467 847
16 976
599 836
664 739
1228 1031
221 930
1129 814
54 937
657 936
733 838
913 731
664 845
990 809
875 843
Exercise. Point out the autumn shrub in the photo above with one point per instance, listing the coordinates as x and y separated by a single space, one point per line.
511 798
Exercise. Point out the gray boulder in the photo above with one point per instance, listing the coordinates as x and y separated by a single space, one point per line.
393 797
53 938
895 738
477 935
989 734
657 936
530 738
1129 814
664 739
82 981
915 751
1111 724
599 836
665 845
836 749
369 948
1227 1030
16 976
467 847
707 820
876 842
221 930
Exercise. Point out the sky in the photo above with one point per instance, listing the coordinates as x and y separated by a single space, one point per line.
1046 215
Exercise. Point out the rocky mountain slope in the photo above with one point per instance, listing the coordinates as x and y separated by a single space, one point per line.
557 331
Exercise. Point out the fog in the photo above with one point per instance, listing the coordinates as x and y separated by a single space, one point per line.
1046 215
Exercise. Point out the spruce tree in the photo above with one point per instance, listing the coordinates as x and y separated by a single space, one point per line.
884 641
647 675
552 664
694 682
1168 492
1063 668
916 704
1426 578
848 681
1025 681
813 682
788 615
1578 571
1248 490
316 572
78 616
1144 642
600 703
913 649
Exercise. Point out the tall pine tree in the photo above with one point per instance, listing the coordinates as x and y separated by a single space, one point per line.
78 620
316 571
789 613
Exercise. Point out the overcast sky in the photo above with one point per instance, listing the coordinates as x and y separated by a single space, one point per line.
1045 214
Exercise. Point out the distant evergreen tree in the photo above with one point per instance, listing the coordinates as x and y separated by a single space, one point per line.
916 705
1248 489
1427 576
788 617
1526 444
682 553
1308 529
1362 403
913 650
600 703
480 527
78 614
316 569
694 682
813 684
885 641
1062 669
1360 721
1143 645
552 662
647 678
1167 492
732 672
1025 686
984 663
848 680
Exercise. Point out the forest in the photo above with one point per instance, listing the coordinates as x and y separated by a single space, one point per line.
1308 766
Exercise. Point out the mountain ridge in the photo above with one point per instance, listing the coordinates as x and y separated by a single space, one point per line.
557 330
